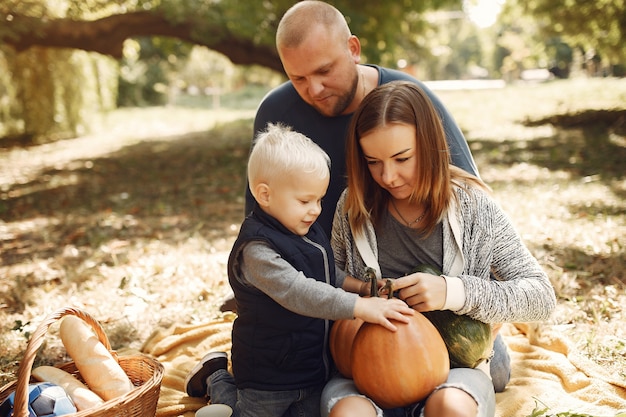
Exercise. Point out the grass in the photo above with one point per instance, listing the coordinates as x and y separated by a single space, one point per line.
134 222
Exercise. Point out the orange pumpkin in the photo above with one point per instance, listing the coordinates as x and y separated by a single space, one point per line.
341 338
343 331
396 369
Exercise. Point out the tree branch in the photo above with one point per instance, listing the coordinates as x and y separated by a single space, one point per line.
107 35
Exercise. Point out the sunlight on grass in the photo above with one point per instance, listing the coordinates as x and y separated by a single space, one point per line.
497 114
152 123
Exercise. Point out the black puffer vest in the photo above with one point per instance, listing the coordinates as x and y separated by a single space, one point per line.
274 349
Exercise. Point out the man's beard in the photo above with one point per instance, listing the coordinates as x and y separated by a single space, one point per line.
342 101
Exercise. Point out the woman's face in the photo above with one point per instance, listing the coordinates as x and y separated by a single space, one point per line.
390 156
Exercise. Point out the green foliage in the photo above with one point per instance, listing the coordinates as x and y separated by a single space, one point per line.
382 26
457 50
145 69
521 44
598 25
538 33
54 93
562 56
27 7
389 30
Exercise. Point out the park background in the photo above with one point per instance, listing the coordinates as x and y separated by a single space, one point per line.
125 128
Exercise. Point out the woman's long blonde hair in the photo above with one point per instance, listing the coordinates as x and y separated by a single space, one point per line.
402 102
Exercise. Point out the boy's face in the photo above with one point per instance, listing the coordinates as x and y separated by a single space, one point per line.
296 201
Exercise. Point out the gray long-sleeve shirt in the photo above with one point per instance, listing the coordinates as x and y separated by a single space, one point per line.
264 268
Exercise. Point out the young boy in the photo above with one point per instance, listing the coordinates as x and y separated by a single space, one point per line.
283 275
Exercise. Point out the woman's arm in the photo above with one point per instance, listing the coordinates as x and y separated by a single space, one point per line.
521 290
340 237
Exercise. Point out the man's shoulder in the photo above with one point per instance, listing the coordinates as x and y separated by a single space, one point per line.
280 105
388 75
284 105
284 90
284 96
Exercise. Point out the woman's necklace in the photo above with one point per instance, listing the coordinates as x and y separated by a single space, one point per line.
408 224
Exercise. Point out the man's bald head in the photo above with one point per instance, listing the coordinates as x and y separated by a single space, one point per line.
298 21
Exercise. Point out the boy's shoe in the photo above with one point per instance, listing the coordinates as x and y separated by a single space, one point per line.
215 410
196 380
229 304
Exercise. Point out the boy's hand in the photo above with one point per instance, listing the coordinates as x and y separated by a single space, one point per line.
382 311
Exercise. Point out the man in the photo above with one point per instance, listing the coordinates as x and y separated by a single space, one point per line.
326 84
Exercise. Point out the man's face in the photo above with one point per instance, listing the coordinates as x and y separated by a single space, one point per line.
323 71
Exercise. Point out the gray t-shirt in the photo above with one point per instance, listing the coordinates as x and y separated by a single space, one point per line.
401 249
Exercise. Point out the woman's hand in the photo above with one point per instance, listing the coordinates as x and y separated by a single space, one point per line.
421 291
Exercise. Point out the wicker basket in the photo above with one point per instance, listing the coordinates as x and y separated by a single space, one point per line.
145 373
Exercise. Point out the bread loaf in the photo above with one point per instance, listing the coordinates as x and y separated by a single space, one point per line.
82 396
96 365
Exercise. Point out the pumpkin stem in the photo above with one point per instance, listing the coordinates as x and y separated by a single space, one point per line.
370 276
389 287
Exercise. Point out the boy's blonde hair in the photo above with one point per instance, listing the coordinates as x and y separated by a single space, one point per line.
279 151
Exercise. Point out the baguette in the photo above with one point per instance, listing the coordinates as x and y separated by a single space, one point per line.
83 397
98 368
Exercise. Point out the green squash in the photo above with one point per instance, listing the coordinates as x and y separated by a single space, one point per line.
468 340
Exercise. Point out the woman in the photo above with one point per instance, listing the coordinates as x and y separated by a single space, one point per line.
410 206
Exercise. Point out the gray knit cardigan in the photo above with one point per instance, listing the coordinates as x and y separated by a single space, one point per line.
478 238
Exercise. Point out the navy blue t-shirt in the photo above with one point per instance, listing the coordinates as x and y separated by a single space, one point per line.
284 105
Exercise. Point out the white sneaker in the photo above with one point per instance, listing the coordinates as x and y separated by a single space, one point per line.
215 410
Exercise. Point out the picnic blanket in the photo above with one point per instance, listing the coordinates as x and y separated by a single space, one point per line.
546 372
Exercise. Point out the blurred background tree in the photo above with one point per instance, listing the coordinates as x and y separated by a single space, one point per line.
63 64
597 28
